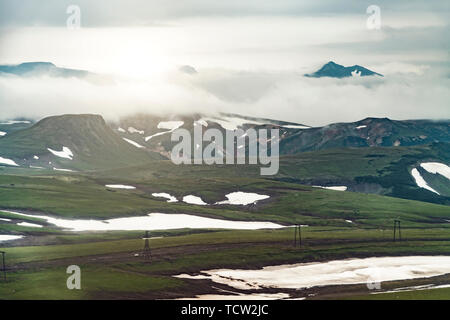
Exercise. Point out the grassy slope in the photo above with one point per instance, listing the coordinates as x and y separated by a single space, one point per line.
83 196
130 276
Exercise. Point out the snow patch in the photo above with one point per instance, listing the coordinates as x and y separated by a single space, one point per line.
436 167
156 134
336 188
5 219
154 221
420 181
133 130
8 162
65 153
15 122
243 198
35 157
121 129
194 200
59 169
231 123
201 122
27 224
137 145
360 127
337 272
6 237
170 125
119 186
295 126
2 133
165 195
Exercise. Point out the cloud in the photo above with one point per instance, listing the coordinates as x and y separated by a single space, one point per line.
279 95
146 12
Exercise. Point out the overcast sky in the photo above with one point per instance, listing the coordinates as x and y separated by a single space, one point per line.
250 58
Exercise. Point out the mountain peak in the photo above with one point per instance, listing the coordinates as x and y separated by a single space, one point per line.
334 70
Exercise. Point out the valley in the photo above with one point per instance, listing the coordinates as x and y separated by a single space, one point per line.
95 215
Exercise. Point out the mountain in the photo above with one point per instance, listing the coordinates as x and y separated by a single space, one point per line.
154 131
369 132
373 155
294 137
334 70
42 68
76 142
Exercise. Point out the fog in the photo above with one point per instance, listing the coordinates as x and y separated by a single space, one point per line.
250 59
415 94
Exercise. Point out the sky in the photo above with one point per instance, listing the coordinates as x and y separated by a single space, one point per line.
248 57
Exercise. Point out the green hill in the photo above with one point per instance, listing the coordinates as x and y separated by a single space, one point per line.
93 144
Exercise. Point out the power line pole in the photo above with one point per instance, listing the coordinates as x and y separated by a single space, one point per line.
147 253
3 265
397 226
298 231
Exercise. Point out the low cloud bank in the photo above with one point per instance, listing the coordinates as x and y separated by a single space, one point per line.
405 93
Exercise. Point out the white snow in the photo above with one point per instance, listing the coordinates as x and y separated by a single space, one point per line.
356 73
349 221
60 169
240 296
137 145
436 167
194 200
121 129
170 125
153 221
414 288
243 198
65 153
119 186
165 195
2 133
27 224
231 123
337 272
15 122
6 237
336 188
5 219
157 134
360 127
8 162
420 181
134 130
201 122
36 167
296 126
35 157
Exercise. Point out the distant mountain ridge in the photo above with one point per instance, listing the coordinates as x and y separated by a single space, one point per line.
334 70
42 68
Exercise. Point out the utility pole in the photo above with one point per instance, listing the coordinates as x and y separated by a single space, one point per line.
397 226
3 265
298 231
147 253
